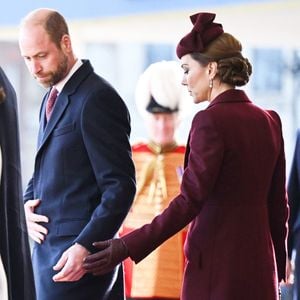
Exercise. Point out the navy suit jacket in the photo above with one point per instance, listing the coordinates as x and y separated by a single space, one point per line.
84 176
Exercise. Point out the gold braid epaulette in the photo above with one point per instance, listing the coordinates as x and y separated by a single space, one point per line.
153 172
158 149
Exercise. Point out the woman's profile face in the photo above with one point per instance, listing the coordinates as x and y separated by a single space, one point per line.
195 78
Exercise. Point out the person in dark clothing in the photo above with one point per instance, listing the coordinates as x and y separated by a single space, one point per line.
14 244
294 220
83 182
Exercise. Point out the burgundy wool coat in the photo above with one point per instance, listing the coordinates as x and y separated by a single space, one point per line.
233 195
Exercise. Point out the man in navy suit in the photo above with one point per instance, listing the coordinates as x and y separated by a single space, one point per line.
294 220
83 182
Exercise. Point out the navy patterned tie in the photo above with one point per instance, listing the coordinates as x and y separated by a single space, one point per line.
50 102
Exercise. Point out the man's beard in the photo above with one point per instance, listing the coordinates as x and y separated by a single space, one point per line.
58 74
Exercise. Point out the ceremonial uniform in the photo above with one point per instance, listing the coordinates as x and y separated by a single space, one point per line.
159 173
160 99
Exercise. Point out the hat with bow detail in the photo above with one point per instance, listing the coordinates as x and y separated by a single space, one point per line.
203 32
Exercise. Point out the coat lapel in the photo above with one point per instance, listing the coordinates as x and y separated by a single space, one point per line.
61 103
59 108
43 121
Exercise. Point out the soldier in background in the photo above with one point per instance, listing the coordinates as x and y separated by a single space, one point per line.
161 100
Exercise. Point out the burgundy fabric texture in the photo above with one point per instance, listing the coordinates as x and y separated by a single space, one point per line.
233 197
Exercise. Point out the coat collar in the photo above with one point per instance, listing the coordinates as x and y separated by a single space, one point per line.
230 96
76 79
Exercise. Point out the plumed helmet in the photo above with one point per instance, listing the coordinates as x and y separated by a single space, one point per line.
159 89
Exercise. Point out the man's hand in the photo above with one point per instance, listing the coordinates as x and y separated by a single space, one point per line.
36 231
112 253
70 264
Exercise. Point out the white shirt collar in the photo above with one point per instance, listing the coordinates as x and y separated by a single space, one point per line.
59 86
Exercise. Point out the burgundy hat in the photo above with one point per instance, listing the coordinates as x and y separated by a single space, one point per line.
203 32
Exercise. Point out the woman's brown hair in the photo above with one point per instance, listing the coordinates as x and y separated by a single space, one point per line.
226 50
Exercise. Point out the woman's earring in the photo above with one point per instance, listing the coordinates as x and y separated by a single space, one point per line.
210 84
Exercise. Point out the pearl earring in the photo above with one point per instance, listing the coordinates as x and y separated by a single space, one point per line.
210 84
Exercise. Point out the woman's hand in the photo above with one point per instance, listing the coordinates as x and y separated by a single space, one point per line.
112 252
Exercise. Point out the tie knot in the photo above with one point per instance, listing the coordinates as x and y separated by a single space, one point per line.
50 102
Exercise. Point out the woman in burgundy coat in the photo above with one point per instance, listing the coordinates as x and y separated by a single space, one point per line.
233 187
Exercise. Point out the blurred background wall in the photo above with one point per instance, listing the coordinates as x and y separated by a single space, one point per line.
122 37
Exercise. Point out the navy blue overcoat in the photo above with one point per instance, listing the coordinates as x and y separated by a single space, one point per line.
85 178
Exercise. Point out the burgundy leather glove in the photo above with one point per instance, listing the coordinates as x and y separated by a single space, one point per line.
112 252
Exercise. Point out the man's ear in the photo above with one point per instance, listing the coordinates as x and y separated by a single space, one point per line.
65 43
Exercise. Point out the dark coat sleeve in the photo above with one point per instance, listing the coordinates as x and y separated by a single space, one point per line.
294 197
106 140
278 211
14 246
205 154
